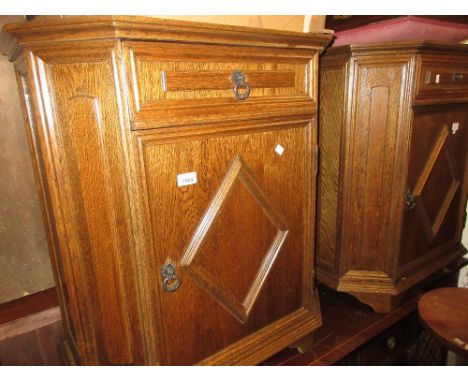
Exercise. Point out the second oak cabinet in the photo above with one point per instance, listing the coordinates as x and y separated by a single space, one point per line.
394 169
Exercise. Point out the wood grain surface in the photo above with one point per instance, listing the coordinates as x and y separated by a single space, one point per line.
80 28
353 334
178 84
241 225
399 136
444 312
25 306
330 139
82 133
109 138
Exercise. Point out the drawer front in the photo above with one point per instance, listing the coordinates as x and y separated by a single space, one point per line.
444 77
176 84
394 340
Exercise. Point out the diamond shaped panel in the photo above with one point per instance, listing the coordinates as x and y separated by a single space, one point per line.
235 279
436 187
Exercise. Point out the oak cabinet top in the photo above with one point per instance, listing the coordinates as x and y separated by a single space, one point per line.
76 28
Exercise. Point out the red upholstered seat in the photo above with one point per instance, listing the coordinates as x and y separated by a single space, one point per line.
404 28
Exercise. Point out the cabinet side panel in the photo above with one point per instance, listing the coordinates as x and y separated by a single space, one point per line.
373 172
83 149
332 88
42 190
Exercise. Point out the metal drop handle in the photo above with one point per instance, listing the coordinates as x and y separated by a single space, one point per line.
170 281
238 78
457 77
410 201
391 342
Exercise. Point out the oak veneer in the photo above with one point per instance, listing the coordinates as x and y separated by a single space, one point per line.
444 312
116 109
25 306
394 166
353 334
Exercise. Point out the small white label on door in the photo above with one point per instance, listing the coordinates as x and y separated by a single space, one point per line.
186 179
455 127
437 78
279 149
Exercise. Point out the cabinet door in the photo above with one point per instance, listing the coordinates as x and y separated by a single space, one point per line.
436 188
231 219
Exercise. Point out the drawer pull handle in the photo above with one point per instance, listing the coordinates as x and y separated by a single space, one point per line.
170 281
410 201
457 77
391 343
238 79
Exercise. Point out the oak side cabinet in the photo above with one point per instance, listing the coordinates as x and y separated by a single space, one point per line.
393 169
176 163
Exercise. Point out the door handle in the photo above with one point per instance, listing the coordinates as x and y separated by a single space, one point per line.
410 201
170 280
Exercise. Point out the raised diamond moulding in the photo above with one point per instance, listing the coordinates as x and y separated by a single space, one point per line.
237 189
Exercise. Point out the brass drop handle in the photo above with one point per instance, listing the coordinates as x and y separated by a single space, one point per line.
170 281
238 78
457 77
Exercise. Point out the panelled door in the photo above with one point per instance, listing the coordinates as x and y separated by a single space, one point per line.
435 188
231 219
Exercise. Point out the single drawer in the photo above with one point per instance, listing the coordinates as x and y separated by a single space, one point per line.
444 78
394 340
173 84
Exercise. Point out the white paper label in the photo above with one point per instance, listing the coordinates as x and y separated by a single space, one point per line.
279 149
455 127
186 179
437 78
